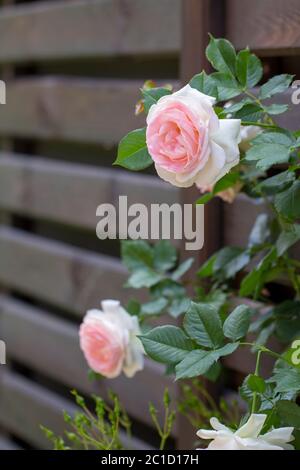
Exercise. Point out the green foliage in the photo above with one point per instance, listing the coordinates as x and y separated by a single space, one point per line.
210 330
97 430
108 426
237 324
199 406
158 269
152 95
132 152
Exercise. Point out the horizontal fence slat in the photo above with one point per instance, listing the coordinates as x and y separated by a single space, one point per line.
27 329
71 109
271 27
82 110
68 277
84 29
25 405
70 193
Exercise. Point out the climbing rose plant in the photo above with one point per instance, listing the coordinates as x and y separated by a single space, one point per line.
219 135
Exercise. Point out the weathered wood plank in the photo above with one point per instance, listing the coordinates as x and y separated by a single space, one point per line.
68 277
25 405
97 28
270 27
82 110
27 329
69 193
72 109
239 218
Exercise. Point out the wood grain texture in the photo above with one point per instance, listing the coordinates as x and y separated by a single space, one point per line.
93 28
270 27
72 109
25 405
27 330
70 193
65 276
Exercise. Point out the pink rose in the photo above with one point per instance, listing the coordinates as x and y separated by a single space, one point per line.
108 339
188 142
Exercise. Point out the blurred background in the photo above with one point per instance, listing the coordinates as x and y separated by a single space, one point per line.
73 70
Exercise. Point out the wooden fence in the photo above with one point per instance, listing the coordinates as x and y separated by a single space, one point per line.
73 69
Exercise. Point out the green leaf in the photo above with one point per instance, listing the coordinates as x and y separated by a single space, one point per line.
268 155
203 324
275 109
287 379
249 112
205 198
256 383
178 306
229 180
275 85
264 335
227 86
165 255
198 362
287 320
168 288
213 372
155 307
182 269
287 239
287 202
249 69
276 184
136 254
132 151
144 277
205 84
289 413
253 282
133 307
221 54
260 231
237 324
152 95
229 261
167 344
207 268
279 136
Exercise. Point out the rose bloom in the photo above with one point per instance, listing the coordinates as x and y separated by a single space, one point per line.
188 142
108 339
247 437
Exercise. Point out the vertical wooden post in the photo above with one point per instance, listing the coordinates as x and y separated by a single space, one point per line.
199 17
